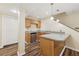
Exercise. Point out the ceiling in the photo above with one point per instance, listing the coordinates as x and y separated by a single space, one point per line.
65 7
5 8
39 10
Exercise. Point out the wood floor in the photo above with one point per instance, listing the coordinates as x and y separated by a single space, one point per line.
69 52
9 50
31 50
34 50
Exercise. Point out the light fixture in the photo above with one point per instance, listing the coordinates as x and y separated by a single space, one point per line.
51 3
51 18
47 13
14 11
57 20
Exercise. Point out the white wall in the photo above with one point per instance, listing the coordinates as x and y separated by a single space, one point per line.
21 32
0 29
71 20
49 25
10 29
71 42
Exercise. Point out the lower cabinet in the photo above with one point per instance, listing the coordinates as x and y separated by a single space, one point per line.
30 37
49 47
39 34
27 37
58 46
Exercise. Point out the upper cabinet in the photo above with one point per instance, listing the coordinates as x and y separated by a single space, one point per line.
31 21
27 22
37 23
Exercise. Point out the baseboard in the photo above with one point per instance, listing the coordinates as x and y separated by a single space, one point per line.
72 48
20 54
11 43
1 46
62 51
8 44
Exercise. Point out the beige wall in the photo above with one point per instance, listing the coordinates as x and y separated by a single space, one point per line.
73 40
71 20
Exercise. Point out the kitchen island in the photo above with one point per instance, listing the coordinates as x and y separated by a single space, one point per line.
29 37
53 43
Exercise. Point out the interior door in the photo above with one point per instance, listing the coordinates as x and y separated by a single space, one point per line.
11 27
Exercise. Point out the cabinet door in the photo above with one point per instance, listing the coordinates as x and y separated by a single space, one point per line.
46 47
27 37
58 47
27 23
39 24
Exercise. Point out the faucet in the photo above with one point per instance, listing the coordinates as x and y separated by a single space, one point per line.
60 30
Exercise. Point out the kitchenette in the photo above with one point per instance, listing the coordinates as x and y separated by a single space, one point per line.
51 42
32 27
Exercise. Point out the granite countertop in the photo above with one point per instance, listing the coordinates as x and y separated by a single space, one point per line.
31 31
52 35
56 36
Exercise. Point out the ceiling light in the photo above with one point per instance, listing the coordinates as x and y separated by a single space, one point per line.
51 3
51 18
57 20
15 11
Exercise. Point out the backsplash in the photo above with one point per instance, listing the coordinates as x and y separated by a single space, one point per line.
32 28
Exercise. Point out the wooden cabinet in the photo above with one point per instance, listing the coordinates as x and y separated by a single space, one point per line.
27 23
27 37
30 21
38 35
59 45
46 47
37 23
50 48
